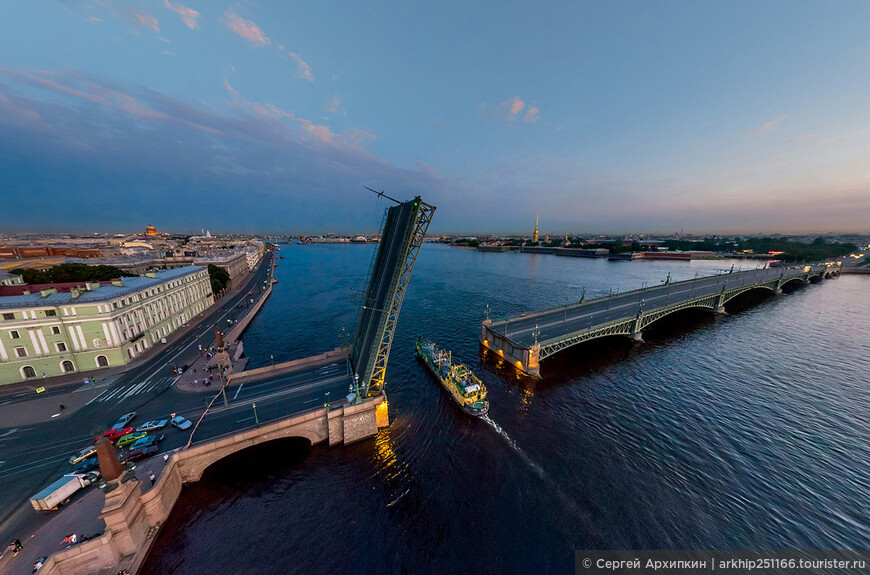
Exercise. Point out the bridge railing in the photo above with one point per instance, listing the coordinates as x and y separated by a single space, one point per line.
576 305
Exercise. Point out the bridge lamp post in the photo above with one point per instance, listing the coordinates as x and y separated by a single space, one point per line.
326 405
256 419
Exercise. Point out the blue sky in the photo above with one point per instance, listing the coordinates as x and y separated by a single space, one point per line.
272 116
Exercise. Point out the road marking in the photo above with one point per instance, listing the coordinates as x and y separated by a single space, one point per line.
55 415
238 390
245 419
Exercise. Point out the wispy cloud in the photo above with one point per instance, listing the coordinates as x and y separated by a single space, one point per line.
233 92
533 114
188 15
511 109
333 105
245 28
147 20
303 70
765 128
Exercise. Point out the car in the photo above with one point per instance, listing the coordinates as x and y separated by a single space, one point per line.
124 420
131 438
241 305
83 454
114 434
181 423
153 425
147 442
90 477
140 453
251 293
85 465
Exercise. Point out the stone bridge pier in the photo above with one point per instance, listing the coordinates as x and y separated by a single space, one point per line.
526 359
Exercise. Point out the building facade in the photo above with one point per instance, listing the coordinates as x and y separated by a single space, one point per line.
93 326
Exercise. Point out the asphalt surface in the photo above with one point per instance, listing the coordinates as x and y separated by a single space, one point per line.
557 324
37 439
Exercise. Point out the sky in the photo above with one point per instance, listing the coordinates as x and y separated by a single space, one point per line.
271 116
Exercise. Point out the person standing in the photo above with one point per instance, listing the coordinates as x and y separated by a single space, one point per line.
152 477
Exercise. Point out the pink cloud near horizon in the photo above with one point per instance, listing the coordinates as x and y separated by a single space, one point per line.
246 29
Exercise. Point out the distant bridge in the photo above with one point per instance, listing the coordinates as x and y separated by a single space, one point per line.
526 340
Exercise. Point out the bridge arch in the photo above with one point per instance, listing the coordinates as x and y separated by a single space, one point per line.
271 453
667 313
800 280
195 460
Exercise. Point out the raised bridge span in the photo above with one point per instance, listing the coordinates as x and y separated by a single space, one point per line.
526 340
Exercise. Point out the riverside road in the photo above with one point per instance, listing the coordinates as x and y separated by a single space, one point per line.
36 452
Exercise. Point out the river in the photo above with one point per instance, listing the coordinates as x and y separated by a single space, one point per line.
738 432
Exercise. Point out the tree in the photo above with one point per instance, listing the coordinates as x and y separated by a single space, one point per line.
219 277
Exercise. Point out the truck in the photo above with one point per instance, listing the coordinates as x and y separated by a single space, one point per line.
60 491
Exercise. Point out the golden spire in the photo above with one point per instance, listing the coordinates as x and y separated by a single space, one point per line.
535 235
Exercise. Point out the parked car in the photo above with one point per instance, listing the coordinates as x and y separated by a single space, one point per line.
140 453
85 465
181 423
153 425
124 420
83 454
146 442
115 433
131 438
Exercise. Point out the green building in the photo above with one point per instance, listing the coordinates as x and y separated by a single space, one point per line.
92 325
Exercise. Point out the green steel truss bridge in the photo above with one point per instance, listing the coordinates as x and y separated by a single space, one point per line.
526 340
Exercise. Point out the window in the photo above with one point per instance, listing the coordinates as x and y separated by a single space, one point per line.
67 366
9 316
102 361
50 313
28 371
61 346
55 330
14 334
20 352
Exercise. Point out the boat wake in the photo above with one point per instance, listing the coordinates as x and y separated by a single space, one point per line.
509 440
528 460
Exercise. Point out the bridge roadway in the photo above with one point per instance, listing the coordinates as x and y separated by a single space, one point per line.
527 339
34 453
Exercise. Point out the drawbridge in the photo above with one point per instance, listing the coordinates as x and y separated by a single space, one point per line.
402 233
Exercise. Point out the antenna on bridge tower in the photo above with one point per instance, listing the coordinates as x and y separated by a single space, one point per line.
382 194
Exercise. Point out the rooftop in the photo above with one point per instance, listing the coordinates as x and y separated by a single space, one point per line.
105 292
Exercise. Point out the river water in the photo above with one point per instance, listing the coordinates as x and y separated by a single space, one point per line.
740 432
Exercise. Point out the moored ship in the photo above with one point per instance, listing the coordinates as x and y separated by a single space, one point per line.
465 388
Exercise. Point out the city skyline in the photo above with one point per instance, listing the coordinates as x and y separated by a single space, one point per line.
737 118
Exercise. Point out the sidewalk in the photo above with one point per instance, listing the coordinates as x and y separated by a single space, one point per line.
81 516
196 378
